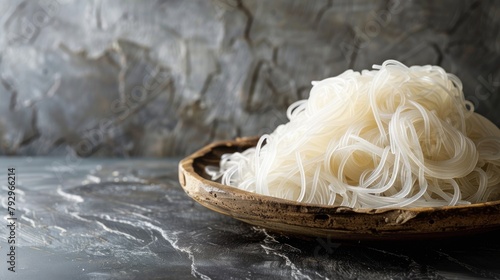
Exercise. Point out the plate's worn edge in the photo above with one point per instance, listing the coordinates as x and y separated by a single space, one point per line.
340 222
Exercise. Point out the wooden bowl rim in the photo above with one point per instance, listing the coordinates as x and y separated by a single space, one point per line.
186 165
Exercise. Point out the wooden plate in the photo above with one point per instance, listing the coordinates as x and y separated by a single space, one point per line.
326 221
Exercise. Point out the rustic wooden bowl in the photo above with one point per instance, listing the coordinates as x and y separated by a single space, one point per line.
346 223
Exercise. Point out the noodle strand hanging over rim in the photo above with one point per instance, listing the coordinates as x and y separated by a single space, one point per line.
395 136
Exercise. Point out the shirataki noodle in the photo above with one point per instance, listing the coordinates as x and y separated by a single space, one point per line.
395 136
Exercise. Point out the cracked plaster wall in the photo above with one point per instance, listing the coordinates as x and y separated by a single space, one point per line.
162 78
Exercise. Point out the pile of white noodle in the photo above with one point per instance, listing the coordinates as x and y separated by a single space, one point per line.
395 136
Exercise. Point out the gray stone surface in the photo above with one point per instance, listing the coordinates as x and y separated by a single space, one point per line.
93 219
161 78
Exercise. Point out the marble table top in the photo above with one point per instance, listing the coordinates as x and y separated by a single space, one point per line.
130 219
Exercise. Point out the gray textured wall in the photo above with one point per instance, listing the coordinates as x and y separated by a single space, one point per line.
158 78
